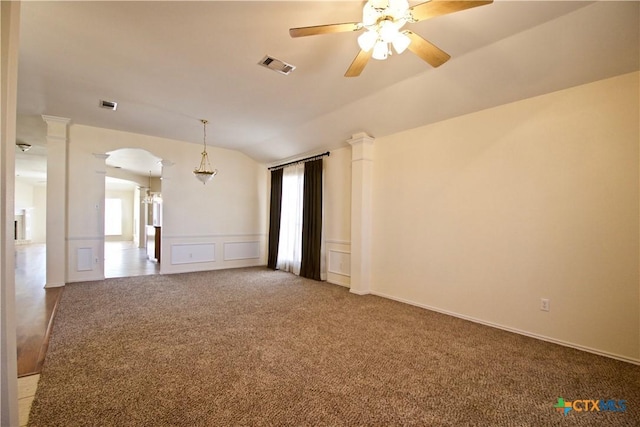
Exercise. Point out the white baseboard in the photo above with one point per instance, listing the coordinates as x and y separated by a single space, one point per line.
344 285
514 330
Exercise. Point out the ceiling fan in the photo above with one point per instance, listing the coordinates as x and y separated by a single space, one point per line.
383 21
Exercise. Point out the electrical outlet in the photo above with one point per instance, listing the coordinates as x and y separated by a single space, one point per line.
544 304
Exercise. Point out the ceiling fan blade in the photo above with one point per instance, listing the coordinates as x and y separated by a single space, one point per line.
426 50
359 63
435 8
325 29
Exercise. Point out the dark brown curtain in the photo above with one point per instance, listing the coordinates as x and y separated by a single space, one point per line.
311 220
274 217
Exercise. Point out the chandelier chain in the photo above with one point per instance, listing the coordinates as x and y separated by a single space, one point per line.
204 139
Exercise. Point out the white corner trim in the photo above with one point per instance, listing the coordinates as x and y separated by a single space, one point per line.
54 285
514 330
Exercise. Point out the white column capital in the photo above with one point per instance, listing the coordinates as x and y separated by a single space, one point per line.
361 146
56 119
360 137
56 126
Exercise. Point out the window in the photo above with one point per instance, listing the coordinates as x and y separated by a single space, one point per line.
290 250
113 217
295 223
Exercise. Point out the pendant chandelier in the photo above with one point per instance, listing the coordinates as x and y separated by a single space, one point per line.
148 198
204 172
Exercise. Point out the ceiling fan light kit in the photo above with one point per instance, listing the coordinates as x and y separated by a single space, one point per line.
383 21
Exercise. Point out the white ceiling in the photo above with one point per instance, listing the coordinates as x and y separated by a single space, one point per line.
169 64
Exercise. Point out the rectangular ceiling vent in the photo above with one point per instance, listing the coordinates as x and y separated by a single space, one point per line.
277 65
109 105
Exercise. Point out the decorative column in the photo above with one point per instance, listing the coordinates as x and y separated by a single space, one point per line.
167 186
100 163
361 203
57 147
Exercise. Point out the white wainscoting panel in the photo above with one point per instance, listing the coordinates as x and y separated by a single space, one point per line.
338 259
84 260
183 254
339 262
241 250
193 252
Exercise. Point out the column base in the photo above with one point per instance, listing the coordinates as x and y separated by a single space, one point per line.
54 285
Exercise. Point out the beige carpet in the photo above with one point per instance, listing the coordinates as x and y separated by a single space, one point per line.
256 347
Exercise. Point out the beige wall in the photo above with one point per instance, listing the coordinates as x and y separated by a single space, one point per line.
24 196
33 198
483 215
205 227
39 225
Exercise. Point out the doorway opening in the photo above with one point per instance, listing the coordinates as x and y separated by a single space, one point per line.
133 206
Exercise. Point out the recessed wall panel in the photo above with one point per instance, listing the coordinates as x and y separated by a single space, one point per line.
85 259
339 262
193 253
241 250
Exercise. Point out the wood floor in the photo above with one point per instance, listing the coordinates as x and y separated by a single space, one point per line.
35 305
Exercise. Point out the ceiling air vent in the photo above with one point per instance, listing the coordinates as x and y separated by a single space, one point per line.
109 105
276 65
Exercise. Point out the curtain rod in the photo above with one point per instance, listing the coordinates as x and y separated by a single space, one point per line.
306 159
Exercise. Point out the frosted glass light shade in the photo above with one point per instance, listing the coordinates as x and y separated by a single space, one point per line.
204 176
367 40
380 51
369 14
388 31
401 42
